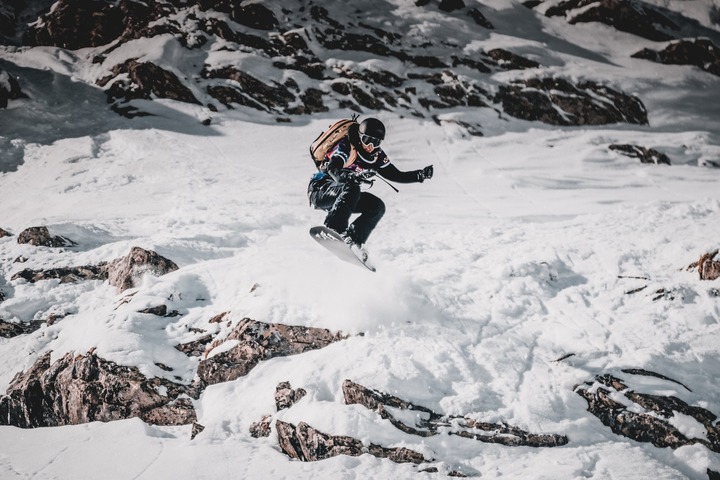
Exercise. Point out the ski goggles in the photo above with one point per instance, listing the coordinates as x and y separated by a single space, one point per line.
370 141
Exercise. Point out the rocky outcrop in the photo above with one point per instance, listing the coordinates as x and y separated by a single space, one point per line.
701 52
254 342
40 237
9 89
84 388
13 329
249 91
708 266
4 233
429 423
125 272
308 42
285 397
145 80
65 275
631 16
122 273
558 102
646 417
305 443
646 155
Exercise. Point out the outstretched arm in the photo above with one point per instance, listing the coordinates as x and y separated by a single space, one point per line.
391 172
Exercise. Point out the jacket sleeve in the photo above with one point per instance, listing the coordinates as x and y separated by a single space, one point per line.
391 172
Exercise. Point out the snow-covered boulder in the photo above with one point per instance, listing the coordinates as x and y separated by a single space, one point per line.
701 52
85 388
40 237
251 342
124 272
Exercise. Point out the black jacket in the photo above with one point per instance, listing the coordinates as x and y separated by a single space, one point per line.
349 154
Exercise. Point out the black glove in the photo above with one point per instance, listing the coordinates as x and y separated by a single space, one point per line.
426 172
347 175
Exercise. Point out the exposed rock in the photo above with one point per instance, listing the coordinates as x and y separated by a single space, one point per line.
252 15
480 19
9 90
261 428
12 329
307 444
558 102
65 275
85 388
9 11
219 318
429 423
708 266
195 348
125 271
4 233
646 155
40 237
451 5
644 417
630 16
74 25
144 80
251 92
701 52
257 341
196 430
510 61
286 397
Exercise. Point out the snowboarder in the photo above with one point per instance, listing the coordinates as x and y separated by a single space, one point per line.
335 188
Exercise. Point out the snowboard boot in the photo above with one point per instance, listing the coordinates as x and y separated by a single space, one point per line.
356 248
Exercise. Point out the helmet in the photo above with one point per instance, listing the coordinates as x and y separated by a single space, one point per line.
372 127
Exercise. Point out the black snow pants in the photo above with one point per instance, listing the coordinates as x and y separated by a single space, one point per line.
341 200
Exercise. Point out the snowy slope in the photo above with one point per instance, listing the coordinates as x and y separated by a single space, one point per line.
521 251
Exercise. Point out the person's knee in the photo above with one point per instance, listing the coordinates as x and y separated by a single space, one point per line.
380 208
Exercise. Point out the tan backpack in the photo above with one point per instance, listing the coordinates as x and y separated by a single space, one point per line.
327 140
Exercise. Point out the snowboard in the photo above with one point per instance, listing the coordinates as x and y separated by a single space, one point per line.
332 241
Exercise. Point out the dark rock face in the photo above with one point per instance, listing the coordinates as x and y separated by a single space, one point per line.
545 99
630 16
260 341
252 92
286 396
299 38
708 266
40 237
65 275
646 420
701 52
304 443
11 329
4 233
145 81
9 90
123 272
429 423
646 155
74 25
86 388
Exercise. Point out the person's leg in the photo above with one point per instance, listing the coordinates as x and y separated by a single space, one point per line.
339 200
371 210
